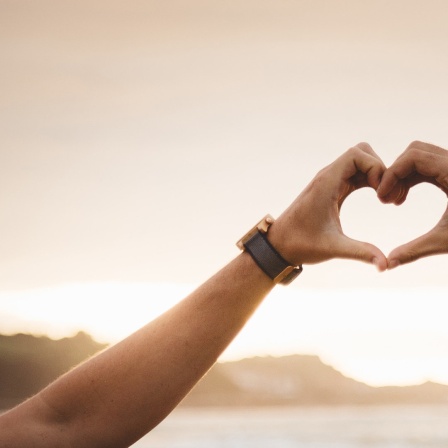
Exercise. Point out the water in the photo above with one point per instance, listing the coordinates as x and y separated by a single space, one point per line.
339 427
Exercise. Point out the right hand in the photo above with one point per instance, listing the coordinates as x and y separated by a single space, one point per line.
309 231
421 162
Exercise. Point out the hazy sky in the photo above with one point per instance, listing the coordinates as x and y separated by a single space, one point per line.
141 139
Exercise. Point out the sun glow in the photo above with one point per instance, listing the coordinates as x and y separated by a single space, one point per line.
108 311
376 336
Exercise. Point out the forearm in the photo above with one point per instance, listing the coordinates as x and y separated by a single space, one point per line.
116 397
119 395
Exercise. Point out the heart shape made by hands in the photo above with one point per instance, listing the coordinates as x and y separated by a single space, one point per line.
364 217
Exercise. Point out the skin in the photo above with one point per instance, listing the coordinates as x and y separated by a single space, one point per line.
116 397
420 162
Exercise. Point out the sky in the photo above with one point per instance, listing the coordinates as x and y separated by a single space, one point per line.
141 139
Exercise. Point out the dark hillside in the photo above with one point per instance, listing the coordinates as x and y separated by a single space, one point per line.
29 363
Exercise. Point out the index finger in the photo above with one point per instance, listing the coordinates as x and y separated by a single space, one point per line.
414 166
362 167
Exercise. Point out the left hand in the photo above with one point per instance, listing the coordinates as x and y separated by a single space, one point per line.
421 162
309 231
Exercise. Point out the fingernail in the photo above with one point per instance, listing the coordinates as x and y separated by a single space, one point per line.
376 262
393 264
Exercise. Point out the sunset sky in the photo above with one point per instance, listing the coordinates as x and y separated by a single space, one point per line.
141 139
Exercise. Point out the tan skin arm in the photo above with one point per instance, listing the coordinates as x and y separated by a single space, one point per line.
119 395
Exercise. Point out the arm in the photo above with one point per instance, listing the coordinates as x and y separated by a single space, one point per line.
119 395
421 162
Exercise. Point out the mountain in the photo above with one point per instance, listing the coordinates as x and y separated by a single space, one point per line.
295 379
29 363
299 380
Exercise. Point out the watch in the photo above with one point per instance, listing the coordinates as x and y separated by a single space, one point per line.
256 243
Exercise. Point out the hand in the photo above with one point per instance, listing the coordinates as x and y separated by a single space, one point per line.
421 162
310 231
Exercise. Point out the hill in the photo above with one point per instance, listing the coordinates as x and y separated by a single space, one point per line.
29 363
299 380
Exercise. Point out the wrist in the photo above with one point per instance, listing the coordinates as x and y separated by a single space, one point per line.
257 243
281 239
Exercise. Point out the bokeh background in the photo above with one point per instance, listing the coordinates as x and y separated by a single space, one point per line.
141 139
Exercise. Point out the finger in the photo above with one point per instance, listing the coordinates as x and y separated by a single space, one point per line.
396 196
363 146
424 246
401 189
403 167
420 162
358 167
428 147
358 250
369 164
432 243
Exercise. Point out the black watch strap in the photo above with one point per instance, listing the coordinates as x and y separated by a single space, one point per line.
269 260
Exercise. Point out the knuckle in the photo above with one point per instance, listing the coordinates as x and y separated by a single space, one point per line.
351 152
416 144
364 146
415 152
360 147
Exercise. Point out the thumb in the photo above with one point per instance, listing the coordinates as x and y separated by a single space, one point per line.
423 246
432 243
359 250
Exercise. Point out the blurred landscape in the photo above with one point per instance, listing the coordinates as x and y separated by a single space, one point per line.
28 363
118 118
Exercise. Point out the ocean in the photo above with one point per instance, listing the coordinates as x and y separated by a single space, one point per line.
321 427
